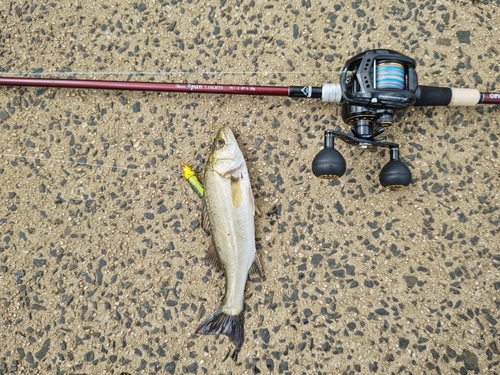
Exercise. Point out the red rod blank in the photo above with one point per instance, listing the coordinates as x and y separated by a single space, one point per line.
147 86
490 98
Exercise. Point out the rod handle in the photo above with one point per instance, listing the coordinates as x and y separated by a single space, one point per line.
446 96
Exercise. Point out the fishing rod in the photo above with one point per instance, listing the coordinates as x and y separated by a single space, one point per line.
373 86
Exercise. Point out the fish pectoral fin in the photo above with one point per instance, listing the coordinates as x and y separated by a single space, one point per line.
212 258
205 224
256 269
255 208
236 193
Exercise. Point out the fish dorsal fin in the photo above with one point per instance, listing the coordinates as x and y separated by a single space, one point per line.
213 259
256 269
205 224
236 193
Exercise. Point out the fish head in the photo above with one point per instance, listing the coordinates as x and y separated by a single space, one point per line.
226 157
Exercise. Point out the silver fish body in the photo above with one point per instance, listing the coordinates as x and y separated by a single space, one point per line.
230 210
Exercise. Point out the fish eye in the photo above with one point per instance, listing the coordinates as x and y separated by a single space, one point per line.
219 143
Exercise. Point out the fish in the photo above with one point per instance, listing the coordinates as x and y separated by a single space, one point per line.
229 211
190 175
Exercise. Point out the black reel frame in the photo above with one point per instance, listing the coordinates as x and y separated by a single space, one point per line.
374 84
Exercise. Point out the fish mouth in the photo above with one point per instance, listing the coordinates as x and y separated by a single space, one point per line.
226 134
226 155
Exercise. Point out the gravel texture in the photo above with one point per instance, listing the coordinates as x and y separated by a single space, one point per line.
101 250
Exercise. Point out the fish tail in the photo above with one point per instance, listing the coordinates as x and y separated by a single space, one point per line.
220 323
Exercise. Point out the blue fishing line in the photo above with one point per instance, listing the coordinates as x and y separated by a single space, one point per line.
390 75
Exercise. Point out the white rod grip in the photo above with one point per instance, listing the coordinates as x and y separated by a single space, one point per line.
464 97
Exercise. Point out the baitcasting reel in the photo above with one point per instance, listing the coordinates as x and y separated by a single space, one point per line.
374 85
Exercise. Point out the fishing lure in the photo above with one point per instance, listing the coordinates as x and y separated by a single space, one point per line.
190 175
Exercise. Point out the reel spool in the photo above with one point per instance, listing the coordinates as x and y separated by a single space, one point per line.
374 84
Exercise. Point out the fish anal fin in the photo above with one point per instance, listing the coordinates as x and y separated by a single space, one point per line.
220 323
236 193
256 269
212 258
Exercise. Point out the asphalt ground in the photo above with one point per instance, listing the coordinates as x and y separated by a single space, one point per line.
101 251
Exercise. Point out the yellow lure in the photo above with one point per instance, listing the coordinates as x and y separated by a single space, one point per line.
190 175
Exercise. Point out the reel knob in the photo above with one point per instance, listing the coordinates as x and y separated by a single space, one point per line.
329 163
395 173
